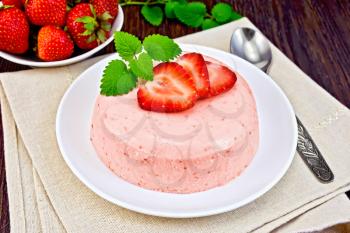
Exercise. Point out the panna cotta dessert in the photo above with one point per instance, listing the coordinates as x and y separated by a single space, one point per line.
193 128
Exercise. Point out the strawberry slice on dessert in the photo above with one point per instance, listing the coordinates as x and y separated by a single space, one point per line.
221 78
195 65
172 89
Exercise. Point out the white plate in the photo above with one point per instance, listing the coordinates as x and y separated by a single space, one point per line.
278 137
35 62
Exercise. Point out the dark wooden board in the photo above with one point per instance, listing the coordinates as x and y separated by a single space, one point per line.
313 33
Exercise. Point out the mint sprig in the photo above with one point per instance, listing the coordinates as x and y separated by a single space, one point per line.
121 76
193 14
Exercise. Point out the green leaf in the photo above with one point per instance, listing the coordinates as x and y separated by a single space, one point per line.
91 39
161 48
169 8
127 45
92 10
154 15
235 16
117 79
86 33
101 35
89 27
191 14
209 23
85 19
142 67
106 16
222 12
106 26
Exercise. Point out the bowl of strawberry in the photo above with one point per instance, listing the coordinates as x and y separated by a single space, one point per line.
43 33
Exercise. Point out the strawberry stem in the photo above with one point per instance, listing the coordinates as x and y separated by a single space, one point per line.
150 2
129 2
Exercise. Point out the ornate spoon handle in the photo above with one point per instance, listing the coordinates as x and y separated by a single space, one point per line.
312 156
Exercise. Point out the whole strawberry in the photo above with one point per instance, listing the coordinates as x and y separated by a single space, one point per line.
16 3
46 12
14 31
54 44
87 30
106 6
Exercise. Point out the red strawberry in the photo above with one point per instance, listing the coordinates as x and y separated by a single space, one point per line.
195 65
172 90
103 6
86 29
221 78
16 3
54 44
46 12
14 31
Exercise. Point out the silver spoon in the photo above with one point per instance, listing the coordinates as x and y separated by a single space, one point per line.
252 46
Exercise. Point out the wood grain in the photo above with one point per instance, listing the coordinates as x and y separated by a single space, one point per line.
313 33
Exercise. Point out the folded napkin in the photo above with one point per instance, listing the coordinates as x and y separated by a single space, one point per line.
44 194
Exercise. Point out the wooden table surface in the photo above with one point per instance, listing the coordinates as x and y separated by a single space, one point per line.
313 33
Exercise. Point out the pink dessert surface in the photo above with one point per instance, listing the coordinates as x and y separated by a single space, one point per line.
191 151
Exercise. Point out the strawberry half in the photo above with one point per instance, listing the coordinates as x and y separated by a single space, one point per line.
221 78
172 90
195 65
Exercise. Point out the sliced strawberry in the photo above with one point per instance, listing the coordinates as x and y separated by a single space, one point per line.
172 90
195 65
221 78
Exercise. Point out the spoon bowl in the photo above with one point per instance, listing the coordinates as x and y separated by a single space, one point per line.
252 46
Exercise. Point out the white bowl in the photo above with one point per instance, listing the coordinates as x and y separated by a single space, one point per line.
278 139
35 62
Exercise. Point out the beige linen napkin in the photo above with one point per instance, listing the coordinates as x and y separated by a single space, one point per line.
337 210
34 97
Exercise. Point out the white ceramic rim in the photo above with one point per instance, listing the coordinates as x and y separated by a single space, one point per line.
135 208
17 59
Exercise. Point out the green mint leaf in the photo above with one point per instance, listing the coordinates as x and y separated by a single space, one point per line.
209 23
117 79
235 16
191 14
154 15
127 45
222 12
169 8
142 67
161 48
